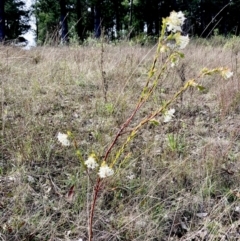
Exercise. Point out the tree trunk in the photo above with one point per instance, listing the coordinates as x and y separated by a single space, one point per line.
2 21
131 14
80 29
63 22
131 20
97 19
117 17
149 13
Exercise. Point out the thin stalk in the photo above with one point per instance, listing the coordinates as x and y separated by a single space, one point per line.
150 117
91 215
142 100
119 133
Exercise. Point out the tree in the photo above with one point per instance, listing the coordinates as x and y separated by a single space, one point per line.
63 22
53 18
16 18
47 14
79 25
118 17
97 19
117 11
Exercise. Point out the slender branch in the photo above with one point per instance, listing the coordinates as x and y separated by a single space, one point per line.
119 133
91 215
142 100
150 117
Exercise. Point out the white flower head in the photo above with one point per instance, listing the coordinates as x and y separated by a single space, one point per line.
182 41
105 171
178 41
175 21
181 17
91 162
63 139
226 73
131 176
169 115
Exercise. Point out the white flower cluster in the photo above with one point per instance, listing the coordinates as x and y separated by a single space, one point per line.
174 25
105 171
169 115
226 73
182 41
175 21
91 162
63 139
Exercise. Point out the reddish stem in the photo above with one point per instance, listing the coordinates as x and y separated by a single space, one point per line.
125 124
96 190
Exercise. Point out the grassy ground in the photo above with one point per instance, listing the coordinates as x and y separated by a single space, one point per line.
181 180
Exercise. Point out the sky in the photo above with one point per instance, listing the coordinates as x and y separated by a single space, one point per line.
30 35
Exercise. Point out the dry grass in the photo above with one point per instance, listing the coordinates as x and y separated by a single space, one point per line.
181 181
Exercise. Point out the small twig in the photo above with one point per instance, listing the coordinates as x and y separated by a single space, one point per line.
214 19
54 186
103 73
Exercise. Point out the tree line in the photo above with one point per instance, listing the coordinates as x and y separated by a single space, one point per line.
76 20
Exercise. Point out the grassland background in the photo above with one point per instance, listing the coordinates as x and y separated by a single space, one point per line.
181 180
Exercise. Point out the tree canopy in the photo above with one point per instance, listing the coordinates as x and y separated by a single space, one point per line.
61 20
14 19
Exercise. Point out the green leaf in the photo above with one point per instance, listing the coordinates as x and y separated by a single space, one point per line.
201 88
154 122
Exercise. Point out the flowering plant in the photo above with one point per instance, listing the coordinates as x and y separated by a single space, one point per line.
170 42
